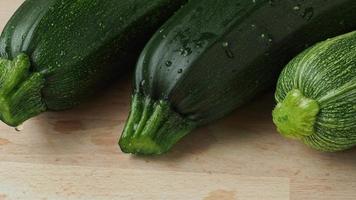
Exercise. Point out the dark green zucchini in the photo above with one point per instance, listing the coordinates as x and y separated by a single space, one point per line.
56 53
214 56
316 95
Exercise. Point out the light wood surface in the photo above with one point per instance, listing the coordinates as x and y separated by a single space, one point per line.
74 155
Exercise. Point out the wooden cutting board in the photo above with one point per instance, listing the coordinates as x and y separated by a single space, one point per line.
74 155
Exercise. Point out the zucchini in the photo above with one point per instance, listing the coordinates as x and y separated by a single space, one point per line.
316 95
56 53
213 56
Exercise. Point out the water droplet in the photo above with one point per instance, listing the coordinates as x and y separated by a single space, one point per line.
142 83
228 50
185 51
225 44
180 71
161 30
267 37
169 63
198 44
62 53
296 8
19 128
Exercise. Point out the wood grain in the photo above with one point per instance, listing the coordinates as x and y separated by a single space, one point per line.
74 155
61 182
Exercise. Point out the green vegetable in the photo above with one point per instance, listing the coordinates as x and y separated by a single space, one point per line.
316 96
214 56
56 53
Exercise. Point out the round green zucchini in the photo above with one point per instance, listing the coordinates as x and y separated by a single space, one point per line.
316 96
214 56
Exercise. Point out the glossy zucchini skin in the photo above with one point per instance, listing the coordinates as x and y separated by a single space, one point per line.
316 95
74 47
214 56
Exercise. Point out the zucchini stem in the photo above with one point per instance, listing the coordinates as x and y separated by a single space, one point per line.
20 91
152 127
295 117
